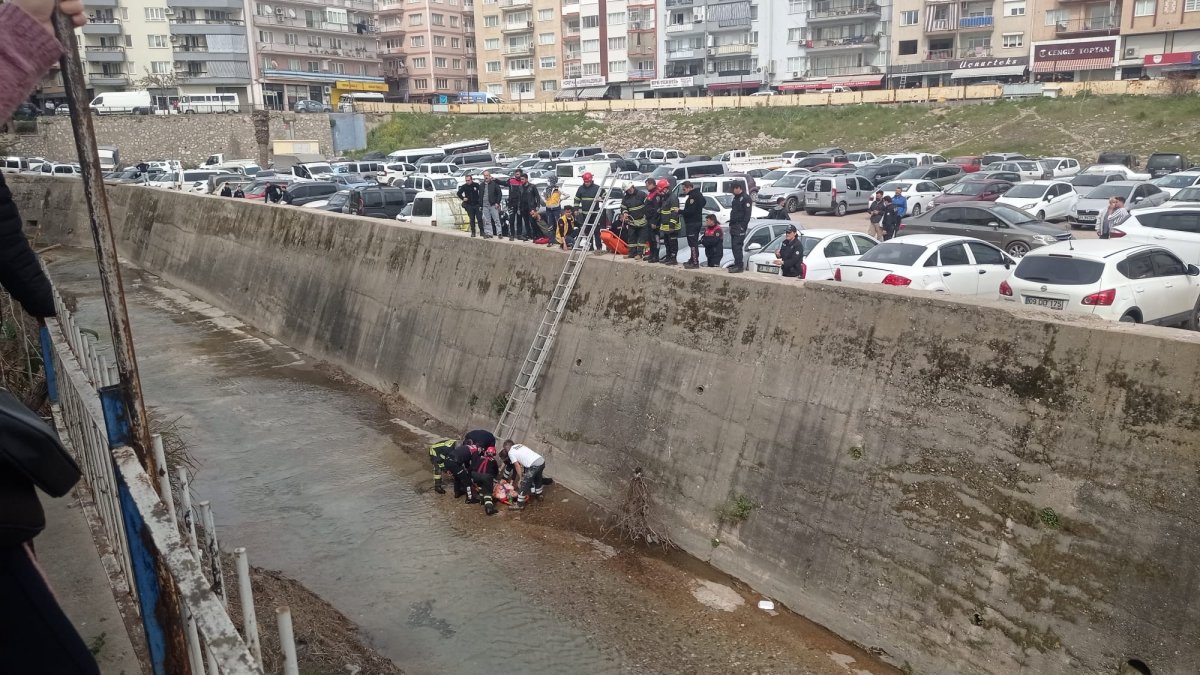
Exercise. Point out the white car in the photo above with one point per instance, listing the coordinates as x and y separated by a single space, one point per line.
1112 279
824 252
1174 182
1027 169
1060 167
1174 227
768 179
1046 199
719 204
932 262
919 193
768 92
1125 171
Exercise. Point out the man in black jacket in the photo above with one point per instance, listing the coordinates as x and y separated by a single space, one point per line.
516 227
779 212
531 201
587 210
20 273
791 253
468 192
654 202
693 220
739 222
490 199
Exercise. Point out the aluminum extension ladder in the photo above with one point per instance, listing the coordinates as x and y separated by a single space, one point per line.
539 351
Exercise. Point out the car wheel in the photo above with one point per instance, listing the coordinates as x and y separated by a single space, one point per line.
841 209
810 212
916 210
189 112
1193 322
792 204
1017 249
1130 318
1041 215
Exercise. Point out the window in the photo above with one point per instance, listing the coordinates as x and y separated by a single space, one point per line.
954 254
548 63
313 67
493 66
795 35
420 62
491 43
1013 40
439 40
441 83
155 14
549 85
417 41
1014 8
590 21
1191 6
291 39
492 21
437 19
456 64
910 18
616 18
1056 16
838 248
545 15
591 69
1144 7
454 22
420 83
159 41
440 62
794 64
617 66
864 243
985 255
907 47
162 67
545 38
495 89
455 43
416 19
590 46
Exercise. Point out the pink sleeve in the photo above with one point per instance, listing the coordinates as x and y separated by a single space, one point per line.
27 50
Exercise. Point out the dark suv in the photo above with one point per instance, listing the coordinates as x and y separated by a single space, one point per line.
1162 163
377 202
300 194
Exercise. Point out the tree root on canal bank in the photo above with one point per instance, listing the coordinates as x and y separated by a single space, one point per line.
632 520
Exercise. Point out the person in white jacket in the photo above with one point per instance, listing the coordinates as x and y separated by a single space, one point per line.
528 466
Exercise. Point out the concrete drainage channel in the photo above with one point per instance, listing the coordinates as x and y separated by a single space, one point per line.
329 485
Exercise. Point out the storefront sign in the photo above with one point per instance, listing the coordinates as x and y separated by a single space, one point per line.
360 86
672 83
1172 59
990 62
581 82
1074 51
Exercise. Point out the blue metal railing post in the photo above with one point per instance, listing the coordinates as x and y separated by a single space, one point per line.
48 363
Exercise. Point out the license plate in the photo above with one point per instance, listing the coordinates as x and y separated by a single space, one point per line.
769 269
1046 302
1085 219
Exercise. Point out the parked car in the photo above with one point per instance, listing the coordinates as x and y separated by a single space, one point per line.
824 252
790 187
942 174
1162 163
932 262
1176 227
837 194
334 203
1118 280
307 106
793 155
1188 195
377 202
914 158
990 157
969 164
1081 181
1126 172
1138 195
973 191
1122 158
1174 182
919 193
881 173
810 161
759 233
300 194
770 177
720 204
1046 199
1012 229
422 183
1060 167
1009 176
352 180
860 157
1027 169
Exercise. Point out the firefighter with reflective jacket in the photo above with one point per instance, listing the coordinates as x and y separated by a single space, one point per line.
669 224
654 201
633 213
451 457
587 210
484 469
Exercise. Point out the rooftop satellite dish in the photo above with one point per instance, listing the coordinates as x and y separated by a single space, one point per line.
267 9
292 13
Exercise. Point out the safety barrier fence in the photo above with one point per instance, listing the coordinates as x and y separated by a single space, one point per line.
143 530
820 98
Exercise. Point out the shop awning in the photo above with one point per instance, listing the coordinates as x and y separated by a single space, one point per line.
803 86
1073 65
726 86
583 93
856 81
998 71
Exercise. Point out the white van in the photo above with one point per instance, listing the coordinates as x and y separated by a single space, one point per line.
209 103
114 102
438 209
347 101
570 176
414 155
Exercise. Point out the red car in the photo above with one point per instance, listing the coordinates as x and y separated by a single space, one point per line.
972 191
833 165
968 164
260 191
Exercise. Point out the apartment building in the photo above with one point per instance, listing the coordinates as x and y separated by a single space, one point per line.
825 43
521 47
1077 40
941 43
427 48
209 45
609 49
1164 35
708 47
313 49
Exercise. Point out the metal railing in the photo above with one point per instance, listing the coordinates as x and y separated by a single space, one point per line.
1095 24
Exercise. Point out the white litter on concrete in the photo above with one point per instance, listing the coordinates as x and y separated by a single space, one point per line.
766 605
717 596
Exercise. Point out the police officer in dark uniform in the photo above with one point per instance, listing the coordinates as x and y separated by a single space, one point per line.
739 223
654 201
791 253
693 221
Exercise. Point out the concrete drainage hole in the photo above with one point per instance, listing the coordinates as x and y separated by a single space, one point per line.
1135 667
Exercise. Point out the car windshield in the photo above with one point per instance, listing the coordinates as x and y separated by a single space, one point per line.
913 173
1027 166
661 172
888 188
1191 194
962 160
807 244
318 168
444 183
1162 161
894 253
971 187
1106 191
789 181
339 198
1175 181
1048 164
1059 269
725 200
1089 179
1026 191
775 175
250 170
1012 214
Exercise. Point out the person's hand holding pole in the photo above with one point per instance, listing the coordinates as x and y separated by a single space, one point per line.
43 10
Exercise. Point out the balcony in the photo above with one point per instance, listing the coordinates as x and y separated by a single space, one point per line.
637 26
518 50
208 27
642 74
93 4
102 26
1090 26
361 54
522 27
276 20
105 54
728 24
200 4
688 27
976 22
828 14
519 74
510 5
202 53
669 3
843 44
683 54
387 51
642 50
939 55
570 8
731 50
107 80
974 52
394 72
203 77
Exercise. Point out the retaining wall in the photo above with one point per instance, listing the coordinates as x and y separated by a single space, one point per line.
970 487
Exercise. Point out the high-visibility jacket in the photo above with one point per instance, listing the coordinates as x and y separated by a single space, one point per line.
668 214
634 205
